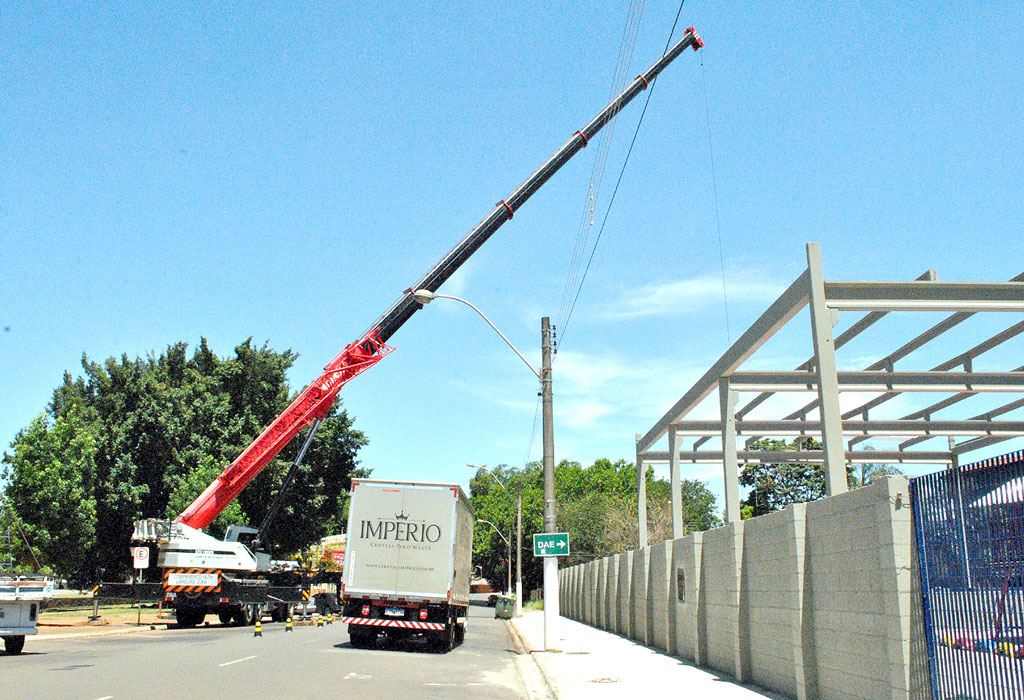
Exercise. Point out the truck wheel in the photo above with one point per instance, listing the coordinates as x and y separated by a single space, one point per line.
14 645
252 612
225 618
189 617
460 634
445 640
362 639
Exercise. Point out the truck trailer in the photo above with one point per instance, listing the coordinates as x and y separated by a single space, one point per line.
407 563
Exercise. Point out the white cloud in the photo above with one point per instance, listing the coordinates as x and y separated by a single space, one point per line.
688 295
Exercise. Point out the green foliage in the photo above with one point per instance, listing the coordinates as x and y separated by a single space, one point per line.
596 506
775 486
50 490
141 438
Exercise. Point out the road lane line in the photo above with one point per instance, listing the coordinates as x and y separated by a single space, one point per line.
105 697
238 661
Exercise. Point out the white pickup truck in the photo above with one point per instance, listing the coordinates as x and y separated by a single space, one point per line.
20 600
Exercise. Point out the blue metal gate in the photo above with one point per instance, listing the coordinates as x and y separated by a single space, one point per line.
970 533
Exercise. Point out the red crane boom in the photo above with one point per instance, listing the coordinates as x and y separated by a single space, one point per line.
315 400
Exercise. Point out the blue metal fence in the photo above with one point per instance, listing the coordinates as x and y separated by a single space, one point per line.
970 533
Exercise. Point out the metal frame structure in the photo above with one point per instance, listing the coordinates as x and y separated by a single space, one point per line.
840 432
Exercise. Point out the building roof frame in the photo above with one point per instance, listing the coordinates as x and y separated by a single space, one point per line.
818 374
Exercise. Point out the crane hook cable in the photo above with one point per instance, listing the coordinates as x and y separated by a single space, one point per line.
615 191
718 219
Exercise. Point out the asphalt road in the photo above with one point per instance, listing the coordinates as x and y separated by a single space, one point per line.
229 662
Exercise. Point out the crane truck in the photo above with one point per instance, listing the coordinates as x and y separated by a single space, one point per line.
201 574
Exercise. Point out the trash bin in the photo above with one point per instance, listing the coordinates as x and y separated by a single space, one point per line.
505 608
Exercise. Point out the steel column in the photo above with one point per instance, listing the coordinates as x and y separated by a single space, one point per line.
730 466
674 483
828 380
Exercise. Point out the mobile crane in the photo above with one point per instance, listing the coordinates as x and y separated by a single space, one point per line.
201 574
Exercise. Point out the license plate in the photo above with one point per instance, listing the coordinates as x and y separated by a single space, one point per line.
394 612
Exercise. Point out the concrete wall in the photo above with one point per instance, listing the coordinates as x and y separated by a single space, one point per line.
820 601
638 596
657 594
622 593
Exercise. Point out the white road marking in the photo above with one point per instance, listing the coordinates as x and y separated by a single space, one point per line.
237 661
105 697
356 677
452 685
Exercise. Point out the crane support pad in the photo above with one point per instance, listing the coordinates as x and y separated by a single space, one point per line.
404 624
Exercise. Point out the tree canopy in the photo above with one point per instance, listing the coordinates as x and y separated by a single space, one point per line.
136 438
596 505
775 486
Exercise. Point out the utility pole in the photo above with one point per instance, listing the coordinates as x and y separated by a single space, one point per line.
519 551
550 522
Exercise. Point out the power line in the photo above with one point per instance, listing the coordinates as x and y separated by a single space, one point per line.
564 325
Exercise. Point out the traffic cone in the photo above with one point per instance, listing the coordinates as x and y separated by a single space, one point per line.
257 630
330 618
319 620
288 625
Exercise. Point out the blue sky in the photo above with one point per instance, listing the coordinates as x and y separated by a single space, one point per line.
285 172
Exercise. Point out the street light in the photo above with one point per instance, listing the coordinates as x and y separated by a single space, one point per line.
508 587
519 538
425 296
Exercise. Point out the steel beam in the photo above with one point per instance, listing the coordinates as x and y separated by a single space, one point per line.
882 381
812 456
888 428
925 296
778 314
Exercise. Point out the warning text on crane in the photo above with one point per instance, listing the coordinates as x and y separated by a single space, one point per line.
192 579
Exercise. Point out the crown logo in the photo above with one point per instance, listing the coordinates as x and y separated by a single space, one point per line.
401 516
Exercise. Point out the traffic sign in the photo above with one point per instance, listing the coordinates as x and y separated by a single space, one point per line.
551 544
140 557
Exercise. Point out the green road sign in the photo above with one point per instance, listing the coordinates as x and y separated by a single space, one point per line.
551 544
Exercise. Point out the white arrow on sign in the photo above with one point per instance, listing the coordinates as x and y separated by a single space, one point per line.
561 545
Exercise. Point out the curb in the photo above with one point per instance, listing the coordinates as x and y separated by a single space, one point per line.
94 633
523 648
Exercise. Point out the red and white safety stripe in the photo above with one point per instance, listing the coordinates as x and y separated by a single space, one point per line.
404 624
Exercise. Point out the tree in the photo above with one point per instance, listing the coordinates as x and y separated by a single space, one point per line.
774 486
596 506
162 427
865 474
51 480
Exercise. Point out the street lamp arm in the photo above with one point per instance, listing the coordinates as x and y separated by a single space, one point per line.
477 466
425 295
481 520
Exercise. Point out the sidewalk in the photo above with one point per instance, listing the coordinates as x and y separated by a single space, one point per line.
595 664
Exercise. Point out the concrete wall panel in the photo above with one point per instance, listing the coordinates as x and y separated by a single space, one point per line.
623 594
690 631
611 597
638 597
721 568
657 595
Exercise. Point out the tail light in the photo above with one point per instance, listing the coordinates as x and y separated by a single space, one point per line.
366 611
32 612
423 613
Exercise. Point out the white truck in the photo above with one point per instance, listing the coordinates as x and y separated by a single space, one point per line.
407 563
21 598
